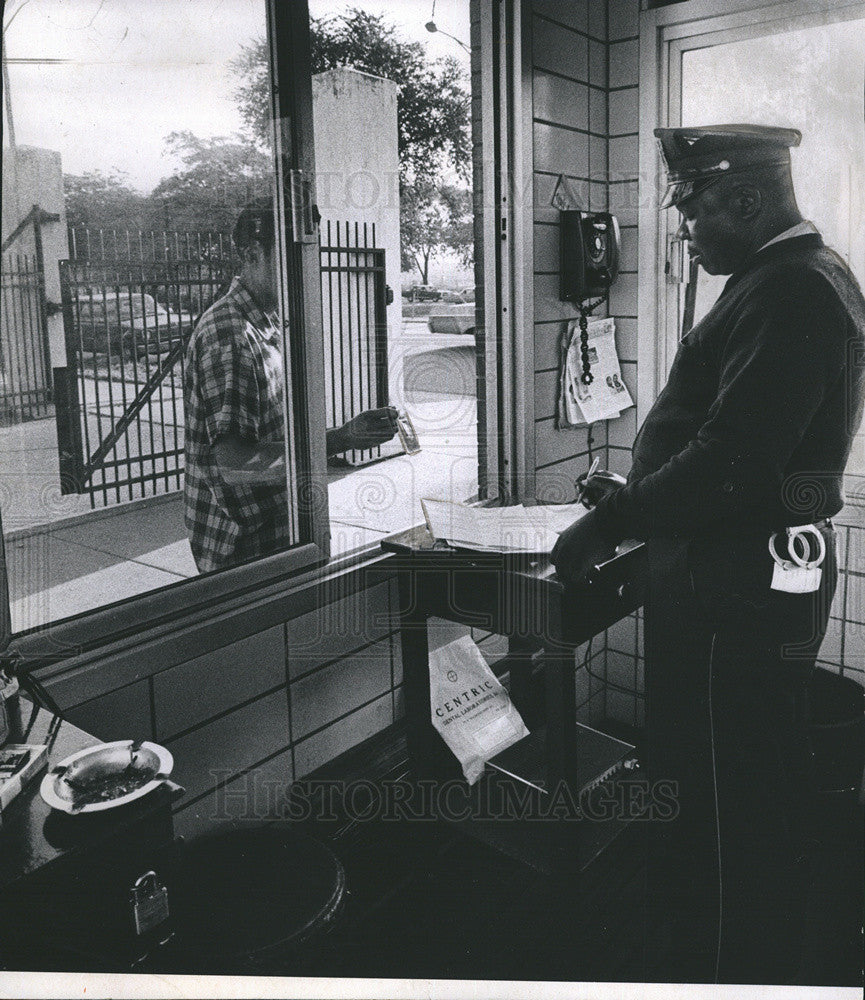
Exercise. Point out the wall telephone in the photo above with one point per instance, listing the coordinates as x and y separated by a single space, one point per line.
589 263
589 254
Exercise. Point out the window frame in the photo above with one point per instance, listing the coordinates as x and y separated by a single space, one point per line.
505 101
293 153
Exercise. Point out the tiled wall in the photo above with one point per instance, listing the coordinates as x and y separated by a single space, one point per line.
569 111
623 54
584 125
247 717
250 714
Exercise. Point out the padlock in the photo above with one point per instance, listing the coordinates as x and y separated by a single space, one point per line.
149 902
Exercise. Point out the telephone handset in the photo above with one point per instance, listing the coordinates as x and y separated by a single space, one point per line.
589 254
589 263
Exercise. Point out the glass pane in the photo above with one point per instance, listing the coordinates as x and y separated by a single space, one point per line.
810 79
124 124
392 125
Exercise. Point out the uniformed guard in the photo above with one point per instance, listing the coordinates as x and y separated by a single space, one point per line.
737 472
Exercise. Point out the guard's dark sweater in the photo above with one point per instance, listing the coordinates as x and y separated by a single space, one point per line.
757 418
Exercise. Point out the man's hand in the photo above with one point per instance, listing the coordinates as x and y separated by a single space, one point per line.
366 430
580 547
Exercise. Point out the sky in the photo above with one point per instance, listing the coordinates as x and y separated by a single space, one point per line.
140 69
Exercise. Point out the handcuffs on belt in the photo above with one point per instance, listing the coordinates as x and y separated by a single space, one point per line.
798 574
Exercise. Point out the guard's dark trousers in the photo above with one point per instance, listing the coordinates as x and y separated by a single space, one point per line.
727 665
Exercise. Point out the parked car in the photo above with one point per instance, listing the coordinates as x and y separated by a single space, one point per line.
422 293
456 319
468 294
128 318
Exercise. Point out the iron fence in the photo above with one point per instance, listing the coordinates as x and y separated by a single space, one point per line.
354 314
25 360
130 303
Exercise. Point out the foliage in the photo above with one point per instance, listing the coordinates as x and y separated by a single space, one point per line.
434 219
432 104
103 201
218 177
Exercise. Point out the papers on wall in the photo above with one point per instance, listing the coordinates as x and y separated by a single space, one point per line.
608 395
500 529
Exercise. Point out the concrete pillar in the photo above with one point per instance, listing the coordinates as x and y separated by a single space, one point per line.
357 161
33 176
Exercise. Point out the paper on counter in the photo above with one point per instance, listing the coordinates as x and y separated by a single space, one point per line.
500 529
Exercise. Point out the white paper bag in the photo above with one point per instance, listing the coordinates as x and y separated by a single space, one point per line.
469 707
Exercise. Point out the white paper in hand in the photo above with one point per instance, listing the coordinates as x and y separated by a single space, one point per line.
469 707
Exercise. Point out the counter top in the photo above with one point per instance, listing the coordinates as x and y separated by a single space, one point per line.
33 834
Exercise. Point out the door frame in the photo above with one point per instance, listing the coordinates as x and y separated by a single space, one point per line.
665 34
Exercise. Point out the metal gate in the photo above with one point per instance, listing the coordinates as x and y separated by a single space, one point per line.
354 319
25 360
130 303
25 353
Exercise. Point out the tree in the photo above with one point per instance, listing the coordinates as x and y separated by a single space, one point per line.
435 218
218 177
101 200
433 104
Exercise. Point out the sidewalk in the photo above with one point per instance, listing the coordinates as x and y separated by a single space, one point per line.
63 558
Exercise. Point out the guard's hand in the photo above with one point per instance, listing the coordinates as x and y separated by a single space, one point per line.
368 429
579 548
600 484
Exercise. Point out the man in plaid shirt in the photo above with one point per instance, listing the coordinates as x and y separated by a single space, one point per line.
236 501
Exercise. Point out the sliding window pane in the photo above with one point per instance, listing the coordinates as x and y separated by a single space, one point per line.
144 363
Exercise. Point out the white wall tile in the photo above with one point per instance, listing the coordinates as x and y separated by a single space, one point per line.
855 598
564 102
336 629
626 338
573 13
119 715
624 111
560 50
624 64
553 445
854 646
559 151
324 695
322 747
622 430
231 743
201 688
624 157
623 18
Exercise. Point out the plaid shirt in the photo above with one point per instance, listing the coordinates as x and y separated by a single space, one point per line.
233 385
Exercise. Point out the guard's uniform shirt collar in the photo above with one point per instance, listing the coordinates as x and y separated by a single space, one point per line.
803 228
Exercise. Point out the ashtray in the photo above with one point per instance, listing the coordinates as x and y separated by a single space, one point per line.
106 776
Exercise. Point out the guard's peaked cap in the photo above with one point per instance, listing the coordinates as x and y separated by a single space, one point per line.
696 157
